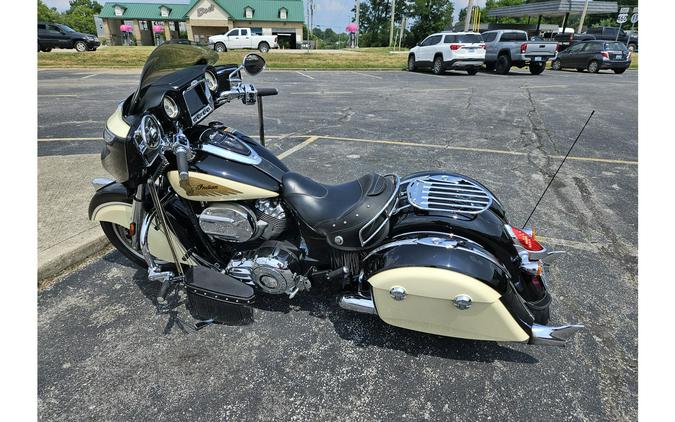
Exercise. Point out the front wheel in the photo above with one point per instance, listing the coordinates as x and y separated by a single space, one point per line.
81 46
438 65
220 47
537 68
632 48
593 66
121 239
411 64
472 71
503 64
263 47
556 65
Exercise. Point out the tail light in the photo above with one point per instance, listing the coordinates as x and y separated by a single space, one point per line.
523 48
482 46
605 54
529 242
454 47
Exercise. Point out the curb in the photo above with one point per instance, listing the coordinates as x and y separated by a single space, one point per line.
70 253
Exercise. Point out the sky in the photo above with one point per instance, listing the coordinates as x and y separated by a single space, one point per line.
335 14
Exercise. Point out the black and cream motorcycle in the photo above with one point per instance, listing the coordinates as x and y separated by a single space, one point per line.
215 216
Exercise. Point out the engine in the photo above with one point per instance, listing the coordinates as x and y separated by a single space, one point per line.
273 267
239 223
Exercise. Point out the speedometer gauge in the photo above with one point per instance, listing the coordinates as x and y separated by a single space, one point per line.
211 81
170 107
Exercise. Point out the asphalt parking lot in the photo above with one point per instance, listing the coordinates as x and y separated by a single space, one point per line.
105 354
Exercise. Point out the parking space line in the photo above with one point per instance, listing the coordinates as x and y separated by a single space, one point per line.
90 76
370 76
302 74
472 149
298 147
321 93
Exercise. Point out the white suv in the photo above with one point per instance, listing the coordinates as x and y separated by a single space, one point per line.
448 50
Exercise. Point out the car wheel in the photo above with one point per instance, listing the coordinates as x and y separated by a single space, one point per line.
537 68
503 64
593 66
81 46
263 47
619 71
632 48
489 66
438 65
411 63
579 69
220 47
472 71
556 65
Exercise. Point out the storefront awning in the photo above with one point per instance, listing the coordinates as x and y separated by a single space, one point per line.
555 8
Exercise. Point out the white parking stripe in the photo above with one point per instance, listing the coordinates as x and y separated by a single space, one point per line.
302 74
542 86
90 76
297 147
322 93
370 76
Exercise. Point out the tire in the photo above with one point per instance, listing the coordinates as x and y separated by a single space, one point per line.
263 47
593 66
92 49
632 48
437 67
46 50
579 69
503 64
619 71
220 47
472 71
80 46
537 68
118 236
489 66
411 63
555 65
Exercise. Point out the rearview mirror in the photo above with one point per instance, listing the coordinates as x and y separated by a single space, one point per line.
253 64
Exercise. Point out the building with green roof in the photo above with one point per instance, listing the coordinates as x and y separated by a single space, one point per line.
200 19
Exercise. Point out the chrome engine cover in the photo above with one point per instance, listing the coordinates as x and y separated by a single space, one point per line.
272 267
231 222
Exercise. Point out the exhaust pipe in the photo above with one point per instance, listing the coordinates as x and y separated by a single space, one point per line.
553 336
357 303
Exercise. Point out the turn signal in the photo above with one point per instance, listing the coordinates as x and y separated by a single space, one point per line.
523 48
455 47
528 242
132 229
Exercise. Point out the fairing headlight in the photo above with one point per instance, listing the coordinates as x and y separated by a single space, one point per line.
211 81
170 107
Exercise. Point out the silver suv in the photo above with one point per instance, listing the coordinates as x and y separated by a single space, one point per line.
448 51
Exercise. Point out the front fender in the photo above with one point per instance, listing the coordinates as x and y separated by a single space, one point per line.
111 203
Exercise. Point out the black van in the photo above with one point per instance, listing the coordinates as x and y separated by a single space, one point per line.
57 35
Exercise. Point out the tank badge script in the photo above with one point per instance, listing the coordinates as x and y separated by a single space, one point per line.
196 186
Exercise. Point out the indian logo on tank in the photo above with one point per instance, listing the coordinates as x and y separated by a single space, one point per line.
200 187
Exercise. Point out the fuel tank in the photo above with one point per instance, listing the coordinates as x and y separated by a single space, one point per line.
229 166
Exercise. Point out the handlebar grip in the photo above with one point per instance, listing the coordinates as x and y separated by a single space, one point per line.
182 163
264 92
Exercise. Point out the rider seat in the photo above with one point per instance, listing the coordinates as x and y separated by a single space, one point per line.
351 215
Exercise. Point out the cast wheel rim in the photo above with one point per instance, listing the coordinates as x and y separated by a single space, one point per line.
593 67
220 48
411 63
437 66
556 65
264 48
122 234
80 46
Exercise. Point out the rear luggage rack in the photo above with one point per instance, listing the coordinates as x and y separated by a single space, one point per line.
448 193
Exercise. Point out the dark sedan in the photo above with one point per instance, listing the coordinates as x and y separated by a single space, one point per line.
593 56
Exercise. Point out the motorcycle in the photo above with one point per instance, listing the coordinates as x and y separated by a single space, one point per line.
216 216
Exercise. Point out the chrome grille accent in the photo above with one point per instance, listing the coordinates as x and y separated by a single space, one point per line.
448 193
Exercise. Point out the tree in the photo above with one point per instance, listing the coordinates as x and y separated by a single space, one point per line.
45 14
80 15
429 16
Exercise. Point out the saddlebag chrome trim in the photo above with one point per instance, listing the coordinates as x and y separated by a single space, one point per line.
553 336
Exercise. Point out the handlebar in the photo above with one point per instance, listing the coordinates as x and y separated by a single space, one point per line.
264 92
181 153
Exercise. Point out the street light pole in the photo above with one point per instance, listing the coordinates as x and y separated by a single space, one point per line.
583 16
467 18
358 25
391 27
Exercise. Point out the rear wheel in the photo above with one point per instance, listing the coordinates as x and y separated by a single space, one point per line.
81 46
472 71
438 65
490 66
220 47
263 47
619 71
411 63
555 65
593 66
503 64
537 68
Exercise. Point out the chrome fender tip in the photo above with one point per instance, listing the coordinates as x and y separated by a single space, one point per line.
553 336
100 182
357 303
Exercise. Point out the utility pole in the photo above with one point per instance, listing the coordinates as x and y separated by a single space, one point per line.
358 25
400 36
583 16
467 19
391 28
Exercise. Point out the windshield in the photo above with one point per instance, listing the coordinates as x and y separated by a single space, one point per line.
66 28
169 58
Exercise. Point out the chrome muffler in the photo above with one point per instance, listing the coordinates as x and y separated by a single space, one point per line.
553 336
356 303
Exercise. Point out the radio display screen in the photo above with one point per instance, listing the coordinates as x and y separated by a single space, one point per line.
195 98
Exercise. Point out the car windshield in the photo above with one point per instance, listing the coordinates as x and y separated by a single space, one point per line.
66 28
169 58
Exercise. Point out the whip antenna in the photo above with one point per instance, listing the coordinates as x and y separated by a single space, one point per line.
561 164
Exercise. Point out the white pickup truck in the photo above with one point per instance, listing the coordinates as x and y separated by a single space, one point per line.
242 38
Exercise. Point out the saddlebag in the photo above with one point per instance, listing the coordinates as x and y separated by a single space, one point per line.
219 297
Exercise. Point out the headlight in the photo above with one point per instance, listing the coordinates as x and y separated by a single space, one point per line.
170 107
211 81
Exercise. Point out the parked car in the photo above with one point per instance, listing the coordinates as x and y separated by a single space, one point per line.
243 38
448 51
609 33
593 56
567 39
57 35
510 47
